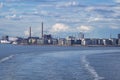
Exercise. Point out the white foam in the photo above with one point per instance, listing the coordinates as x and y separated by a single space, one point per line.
6 58
91 69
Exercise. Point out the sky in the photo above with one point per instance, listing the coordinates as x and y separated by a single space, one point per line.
94 18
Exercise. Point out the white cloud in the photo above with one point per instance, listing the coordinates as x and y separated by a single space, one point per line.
14 16
85 28
68 4
1 4
97 19
59 27
94 19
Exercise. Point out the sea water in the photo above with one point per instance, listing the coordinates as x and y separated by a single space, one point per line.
19 62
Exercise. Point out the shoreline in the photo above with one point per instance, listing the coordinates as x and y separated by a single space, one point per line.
67 45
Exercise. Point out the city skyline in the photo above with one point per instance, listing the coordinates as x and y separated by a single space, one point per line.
96 18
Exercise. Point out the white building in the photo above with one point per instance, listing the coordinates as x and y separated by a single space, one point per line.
5 42
85 42
113 41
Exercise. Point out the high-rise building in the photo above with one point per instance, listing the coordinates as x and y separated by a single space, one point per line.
118 36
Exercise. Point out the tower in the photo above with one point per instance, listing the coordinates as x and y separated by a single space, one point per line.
30 32
42 30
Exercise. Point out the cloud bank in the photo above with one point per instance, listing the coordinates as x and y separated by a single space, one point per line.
61 16
59 27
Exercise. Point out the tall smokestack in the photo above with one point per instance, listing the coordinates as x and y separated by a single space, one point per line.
30 32
42 30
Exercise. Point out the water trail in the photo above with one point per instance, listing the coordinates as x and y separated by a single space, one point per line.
90 69
6 58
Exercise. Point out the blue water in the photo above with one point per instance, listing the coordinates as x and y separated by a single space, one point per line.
19 62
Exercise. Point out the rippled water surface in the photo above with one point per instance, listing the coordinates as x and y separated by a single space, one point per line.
59 63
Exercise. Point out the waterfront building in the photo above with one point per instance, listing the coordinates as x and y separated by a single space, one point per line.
118 36
70 40
32 40
113 41
47 36
85 41
54 41
100 42
61 41
40 41
45 40
77 42
106 42
119 42
24 41
49 41
94 41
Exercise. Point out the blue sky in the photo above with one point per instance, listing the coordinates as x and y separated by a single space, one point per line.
95 18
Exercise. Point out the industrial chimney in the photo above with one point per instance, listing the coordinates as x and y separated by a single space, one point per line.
30 32
42 30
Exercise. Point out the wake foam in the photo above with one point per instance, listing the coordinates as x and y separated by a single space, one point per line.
6 58
90 69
